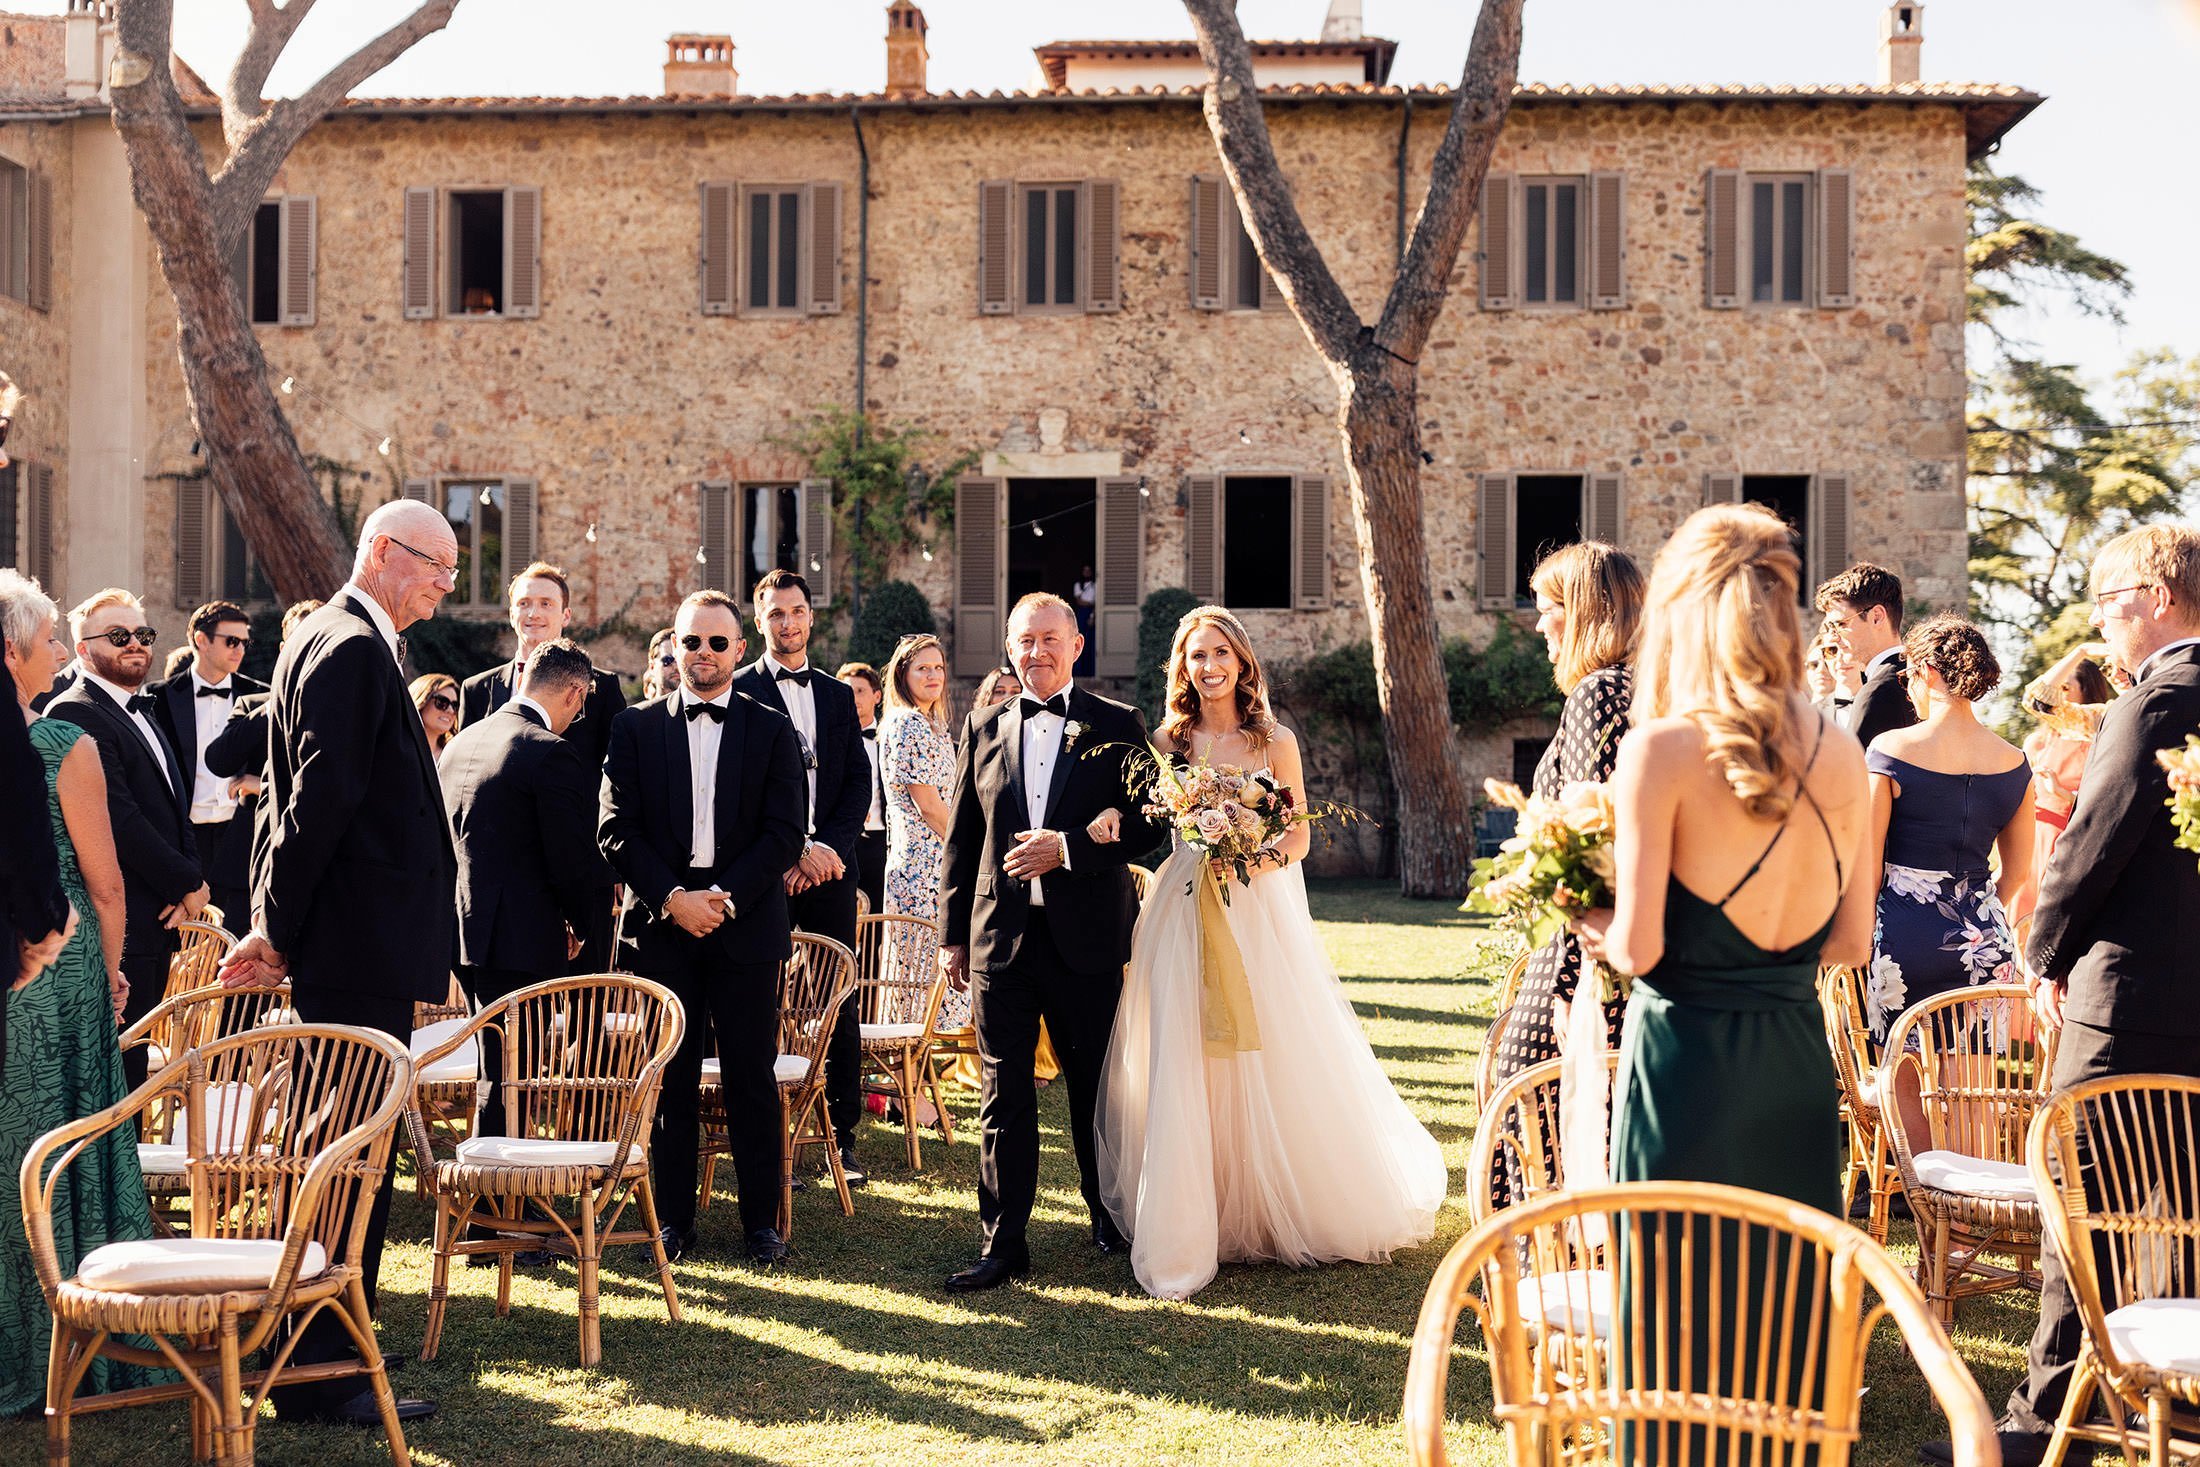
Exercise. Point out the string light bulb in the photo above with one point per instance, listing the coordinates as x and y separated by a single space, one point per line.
1145 490
487 498
290 384
815 567
590 537
700 557
1244 437
1039 531
383 447
928 554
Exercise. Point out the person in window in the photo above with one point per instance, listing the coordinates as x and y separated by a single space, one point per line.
435 694
1588 601
2069 700
479 300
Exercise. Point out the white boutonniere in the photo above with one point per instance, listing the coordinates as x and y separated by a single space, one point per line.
1071 730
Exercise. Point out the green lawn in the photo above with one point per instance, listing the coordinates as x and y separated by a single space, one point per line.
852 1354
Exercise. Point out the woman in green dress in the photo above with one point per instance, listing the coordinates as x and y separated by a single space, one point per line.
1741 811
63 1061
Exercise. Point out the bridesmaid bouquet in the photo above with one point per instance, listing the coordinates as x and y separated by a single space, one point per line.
2183 768
1557 865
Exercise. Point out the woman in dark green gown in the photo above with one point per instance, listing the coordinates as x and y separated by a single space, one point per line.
63 1063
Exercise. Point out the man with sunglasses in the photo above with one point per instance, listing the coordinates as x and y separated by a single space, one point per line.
148 795
1863 611
191 708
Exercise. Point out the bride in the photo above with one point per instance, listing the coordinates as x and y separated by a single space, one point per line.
1290 1144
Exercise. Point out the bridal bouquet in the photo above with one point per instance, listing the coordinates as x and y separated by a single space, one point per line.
1556 865
2183 767
1225 813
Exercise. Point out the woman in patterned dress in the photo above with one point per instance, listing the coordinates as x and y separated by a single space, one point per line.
1588 601
917 765
2069 700
63 1062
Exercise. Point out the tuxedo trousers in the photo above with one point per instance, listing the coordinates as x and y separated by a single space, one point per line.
829 910
147 975
871 870
1006 1007
735 1004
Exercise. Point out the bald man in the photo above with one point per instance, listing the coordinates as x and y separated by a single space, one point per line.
354 884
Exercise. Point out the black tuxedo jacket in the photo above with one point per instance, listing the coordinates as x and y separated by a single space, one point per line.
352 866
2119 910
523 814
485 692
645 826
174 715
1091 906
1883 702
843 768
241 746
151 816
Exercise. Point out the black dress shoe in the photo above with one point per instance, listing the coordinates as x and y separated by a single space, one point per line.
855 1174
987 1273
1108 1238
529 1258
360 1410
2018 1449
766 1247
678 1244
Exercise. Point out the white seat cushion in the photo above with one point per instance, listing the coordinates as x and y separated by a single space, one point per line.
541 1151
231 1118
191 1265
1974 1176
892 1031
1570 1300
2163 1333
156 1056
788 1070
162 1159
457 1067
1867 1090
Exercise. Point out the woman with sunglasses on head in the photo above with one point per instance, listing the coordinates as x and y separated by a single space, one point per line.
435 694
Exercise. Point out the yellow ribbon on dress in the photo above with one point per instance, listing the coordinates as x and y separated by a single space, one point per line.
1226 1020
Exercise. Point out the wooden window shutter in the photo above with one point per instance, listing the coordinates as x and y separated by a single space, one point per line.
194 560
1102 264
1117 577
979 631
300 243
520 526
1722 238
1493 548
1607 241
715 517
1722 488
1209 240
1836 237
1203 536
1829 527
824 248
1500 288
40 525
1310 543
996 251
718 247
420 489
419 286
815 533
1602 498
523 252
38 285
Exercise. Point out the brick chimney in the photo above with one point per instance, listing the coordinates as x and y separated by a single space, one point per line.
700 66
1901 38
906 53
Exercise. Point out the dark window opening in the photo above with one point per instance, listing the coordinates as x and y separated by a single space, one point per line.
1251 275
1256 542
15 230
242 580
1778 210
771 538
1788 496
1527 753
10 549
1551 242
267 265
477 252
1053 530
1546 516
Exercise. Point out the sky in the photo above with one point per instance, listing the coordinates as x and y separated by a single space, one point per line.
2113 148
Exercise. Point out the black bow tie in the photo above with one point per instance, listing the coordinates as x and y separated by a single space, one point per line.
1058 705
871 733
228 692
141 703
802 677
715 712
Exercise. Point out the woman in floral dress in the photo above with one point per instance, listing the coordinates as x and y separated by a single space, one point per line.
917 765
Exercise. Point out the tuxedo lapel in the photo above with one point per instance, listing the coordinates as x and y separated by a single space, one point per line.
768 685
1058 779
679 778
725 784
1011 725
181 695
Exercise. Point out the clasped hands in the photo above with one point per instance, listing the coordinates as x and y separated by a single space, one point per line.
176 914
820 863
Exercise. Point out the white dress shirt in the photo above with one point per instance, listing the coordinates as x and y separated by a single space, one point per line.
704 737
211 802
801 701
2158 653
1042 750
874 819
154 743
521 700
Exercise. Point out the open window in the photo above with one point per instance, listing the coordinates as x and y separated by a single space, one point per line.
1524 516
473 252
751 529
493 518
1815 506
1226 270
1258 539
274 267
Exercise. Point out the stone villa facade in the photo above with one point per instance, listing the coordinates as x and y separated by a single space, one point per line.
583 324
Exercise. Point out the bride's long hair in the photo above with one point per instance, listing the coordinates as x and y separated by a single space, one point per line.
1255 719
1722 646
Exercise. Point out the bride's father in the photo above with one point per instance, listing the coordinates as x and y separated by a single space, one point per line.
1037 918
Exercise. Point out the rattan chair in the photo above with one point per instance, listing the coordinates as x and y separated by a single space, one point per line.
281 1185
1485 1064
1516 1152
1570 1290
449 1090
1981 1072
197 961
583 1062
813 983
1848 1035
2116 1162
899 987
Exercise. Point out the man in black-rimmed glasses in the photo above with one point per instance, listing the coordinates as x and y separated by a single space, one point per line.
191 708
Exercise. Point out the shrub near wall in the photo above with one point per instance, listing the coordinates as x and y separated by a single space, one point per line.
893 610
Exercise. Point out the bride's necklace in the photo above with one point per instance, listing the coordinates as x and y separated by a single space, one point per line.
1212 740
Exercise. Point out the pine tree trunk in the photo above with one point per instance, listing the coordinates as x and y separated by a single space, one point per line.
1379 417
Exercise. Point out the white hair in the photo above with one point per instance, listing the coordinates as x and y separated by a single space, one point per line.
396 519
24 608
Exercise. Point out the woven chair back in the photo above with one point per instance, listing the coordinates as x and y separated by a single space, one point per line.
1141 882
898 977
1676 1322
189 1020
198 958
1516 1139
1508 993
1983 1069
1848 1030
813 983
583 1056
456 1004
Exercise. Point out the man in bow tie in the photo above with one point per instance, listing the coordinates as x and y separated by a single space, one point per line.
191 709
148 795
821 886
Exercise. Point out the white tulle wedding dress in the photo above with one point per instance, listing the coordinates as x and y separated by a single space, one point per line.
1297 1151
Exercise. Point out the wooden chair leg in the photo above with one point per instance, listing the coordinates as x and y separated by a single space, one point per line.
2077 1400
657 1247
233 1434
786 1170
710 1179
60 1391
906 1081
832 1154
2158 1428
1881 1179
591 1325
358 1320
439 1282
939 1102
